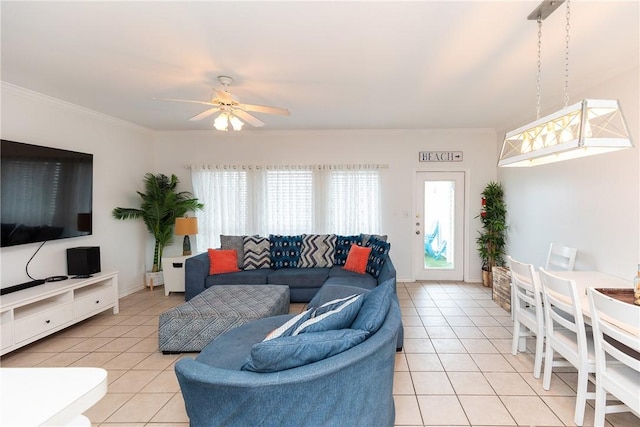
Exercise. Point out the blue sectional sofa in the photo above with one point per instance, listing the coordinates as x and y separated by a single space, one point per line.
304 283
315 285
351 387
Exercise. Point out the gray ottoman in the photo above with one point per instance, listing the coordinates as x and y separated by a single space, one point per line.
192 325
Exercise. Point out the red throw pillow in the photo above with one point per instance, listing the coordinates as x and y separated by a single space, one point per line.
223 261
357 259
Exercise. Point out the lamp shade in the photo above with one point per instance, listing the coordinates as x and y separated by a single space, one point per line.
186 226
583 129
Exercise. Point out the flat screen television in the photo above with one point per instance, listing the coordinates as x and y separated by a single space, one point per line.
46 193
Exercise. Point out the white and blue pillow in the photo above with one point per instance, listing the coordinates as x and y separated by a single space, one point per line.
336 314
286 330
309 337
285 251
377 257
343 245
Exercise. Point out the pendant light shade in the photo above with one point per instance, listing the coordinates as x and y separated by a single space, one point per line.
583 129
593 126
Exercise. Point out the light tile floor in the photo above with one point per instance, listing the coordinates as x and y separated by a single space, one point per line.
456 367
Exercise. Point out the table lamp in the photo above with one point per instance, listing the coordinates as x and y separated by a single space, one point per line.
185 227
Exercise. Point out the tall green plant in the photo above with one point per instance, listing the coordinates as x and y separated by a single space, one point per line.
492 239
161 205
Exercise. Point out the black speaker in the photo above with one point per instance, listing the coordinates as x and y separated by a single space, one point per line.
83 261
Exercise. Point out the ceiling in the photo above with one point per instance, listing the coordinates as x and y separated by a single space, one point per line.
334 65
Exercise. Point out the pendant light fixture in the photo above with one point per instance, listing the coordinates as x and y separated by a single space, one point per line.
582 129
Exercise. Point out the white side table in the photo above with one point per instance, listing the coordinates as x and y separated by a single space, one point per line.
173 271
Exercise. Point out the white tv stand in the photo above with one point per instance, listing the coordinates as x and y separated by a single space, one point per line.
30 314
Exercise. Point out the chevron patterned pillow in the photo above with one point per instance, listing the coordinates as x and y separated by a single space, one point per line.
318 250
257 252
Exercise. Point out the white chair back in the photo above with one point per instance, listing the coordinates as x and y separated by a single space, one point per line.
527 310
566 334
561 258
616 332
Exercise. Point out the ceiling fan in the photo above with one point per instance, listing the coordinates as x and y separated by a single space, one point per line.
231 111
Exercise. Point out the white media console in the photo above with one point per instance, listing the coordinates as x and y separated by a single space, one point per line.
30 314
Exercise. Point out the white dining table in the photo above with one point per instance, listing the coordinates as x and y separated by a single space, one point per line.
592 279
49 396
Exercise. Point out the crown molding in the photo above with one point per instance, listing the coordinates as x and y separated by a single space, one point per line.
32 95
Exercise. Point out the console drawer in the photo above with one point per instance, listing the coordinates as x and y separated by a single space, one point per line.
6 329
98 299
39 323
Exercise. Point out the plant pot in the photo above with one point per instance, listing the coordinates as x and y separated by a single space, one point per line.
487 279
152 279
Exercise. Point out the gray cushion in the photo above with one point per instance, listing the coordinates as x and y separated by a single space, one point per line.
235 243
245 277
299 277
340 276
231 349
366 237
289 352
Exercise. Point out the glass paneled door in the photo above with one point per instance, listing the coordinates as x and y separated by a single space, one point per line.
439 225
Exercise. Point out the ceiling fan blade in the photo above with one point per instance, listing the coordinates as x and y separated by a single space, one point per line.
186 100
224 97
253 121
265 109
204 114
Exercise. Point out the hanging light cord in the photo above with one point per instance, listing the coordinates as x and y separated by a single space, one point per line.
566 58
539 66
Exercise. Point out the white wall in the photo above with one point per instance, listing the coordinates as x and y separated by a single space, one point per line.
589 203
122 154
397 148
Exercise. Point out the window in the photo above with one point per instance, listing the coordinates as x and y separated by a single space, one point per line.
353 202
288 202
242 200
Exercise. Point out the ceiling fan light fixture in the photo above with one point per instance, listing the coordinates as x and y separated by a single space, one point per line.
221 122
236 123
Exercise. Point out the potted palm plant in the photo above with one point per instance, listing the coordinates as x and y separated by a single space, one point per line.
492 239
161 205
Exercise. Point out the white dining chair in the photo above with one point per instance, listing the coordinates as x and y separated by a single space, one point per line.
561 258
566 335
617 366
528 316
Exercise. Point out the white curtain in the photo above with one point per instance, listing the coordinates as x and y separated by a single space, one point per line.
224 194
291 199
353 202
